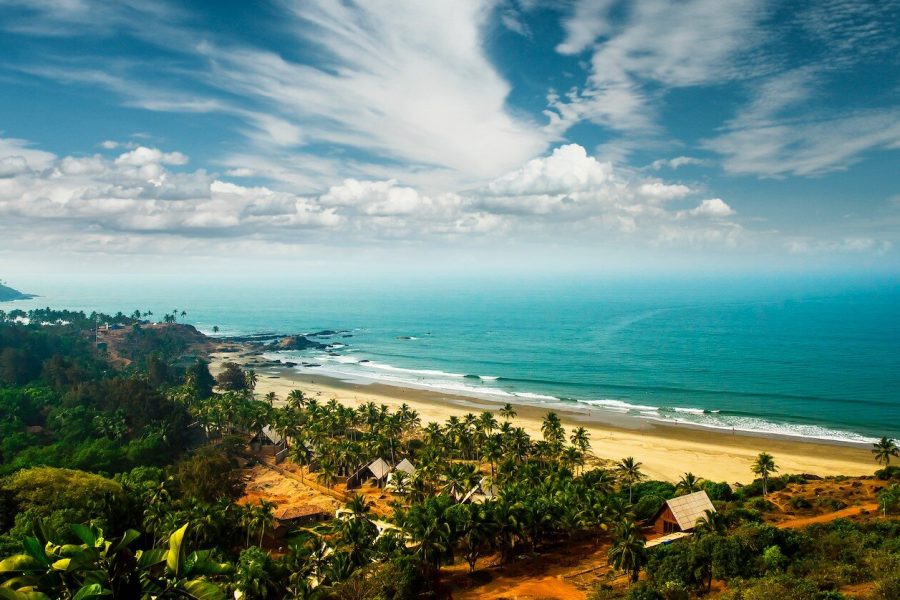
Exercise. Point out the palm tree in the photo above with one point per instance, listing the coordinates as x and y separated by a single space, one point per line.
764 465
689 483
215 329
271 397
884 449
459 479
296 399
711 522
508 412
581 439
553 431
628 553
251 379
630 472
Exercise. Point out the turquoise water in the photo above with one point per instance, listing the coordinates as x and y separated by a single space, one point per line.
819 358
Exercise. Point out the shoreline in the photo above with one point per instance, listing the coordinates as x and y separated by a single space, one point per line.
667 451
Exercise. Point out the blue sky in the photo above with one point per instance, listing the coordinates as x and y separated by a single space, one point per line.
592 133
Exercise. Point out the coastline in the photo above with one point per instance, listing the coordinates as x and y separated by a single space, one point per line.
666 450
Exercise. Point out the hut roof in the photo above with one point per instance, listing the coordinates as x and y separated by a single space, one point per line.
405 466
379 468
690 508
296 512
273 435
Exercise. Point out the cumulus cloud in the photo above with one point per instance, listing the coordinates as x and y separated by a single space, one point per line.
567 169
147 191
713 208
142 156
11 166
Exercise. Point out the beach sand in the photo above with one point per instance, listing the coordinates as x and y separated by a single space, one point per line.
666 451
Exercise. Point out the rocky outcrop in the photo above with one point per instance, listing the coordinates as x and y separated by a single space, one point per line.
297 342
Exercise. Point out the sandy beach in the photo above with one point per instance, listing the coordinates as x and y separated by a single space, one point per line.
666 451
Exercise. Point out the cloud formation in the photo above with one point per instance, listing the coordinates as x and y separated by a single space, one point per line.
147 192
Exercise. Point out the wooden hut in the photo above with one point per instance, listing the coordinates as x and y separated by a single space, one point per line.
682 513
377 470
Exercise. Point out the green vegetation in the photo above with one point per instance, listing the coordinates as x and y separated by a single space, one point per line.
121 481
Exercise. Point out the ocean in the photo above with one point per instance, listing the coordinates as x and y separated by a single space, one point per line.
817 358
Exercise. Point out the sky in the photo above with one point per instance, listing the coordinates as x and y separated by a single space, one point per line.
468 135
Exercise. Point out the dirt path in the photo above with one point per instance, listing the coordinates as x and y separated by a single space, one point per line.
851 511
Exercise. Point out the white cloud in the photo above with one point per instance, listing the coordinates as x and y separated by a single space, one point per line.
662 192
137 193
142 156
10 166
21 149
677 162
713 208
567 169
109 144
657 42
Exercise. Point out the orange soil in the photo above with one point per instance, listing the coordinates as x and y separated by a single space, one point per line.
851 511
567 574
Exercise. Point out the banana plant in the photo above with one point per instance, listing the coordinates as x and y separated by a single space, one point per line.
100 567
174 572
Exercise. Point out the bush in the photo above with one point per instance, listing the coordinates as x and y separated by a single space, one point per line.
208 476
889 499
800 503
761 505
662 489
887 588
831 504
720 490
647 506
888 473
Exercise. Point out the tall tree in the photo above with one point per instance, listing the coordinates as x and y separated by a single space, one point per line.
764 466
629 471
884 449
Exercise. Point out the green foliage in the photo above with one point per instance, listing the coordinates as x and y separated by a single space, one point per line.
889 499
207 475
45 489
889 472
232 378
718 490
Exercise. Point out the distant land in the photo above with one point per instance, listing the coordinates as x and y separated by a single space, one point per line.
8 293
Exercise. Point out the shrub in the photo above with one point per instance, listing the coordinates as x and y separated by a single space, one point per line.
888 473
647 506
887 588
720 490
889 499
831 504
800 503
761 505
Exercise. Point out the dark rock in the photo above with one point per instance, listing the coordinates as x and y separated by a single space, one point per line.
297 342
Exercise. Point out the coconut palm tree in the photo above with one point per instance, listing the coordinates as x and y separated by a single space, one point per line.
581 439
711 522
628 553
553 431
296 399
508 412
884 449
689 483
764 466
630 473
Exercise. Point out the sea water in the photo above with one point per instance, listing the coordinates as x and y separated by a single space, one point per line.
818 358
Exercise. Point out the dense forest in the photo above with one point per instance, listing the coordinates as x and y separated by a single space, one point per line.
119 477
